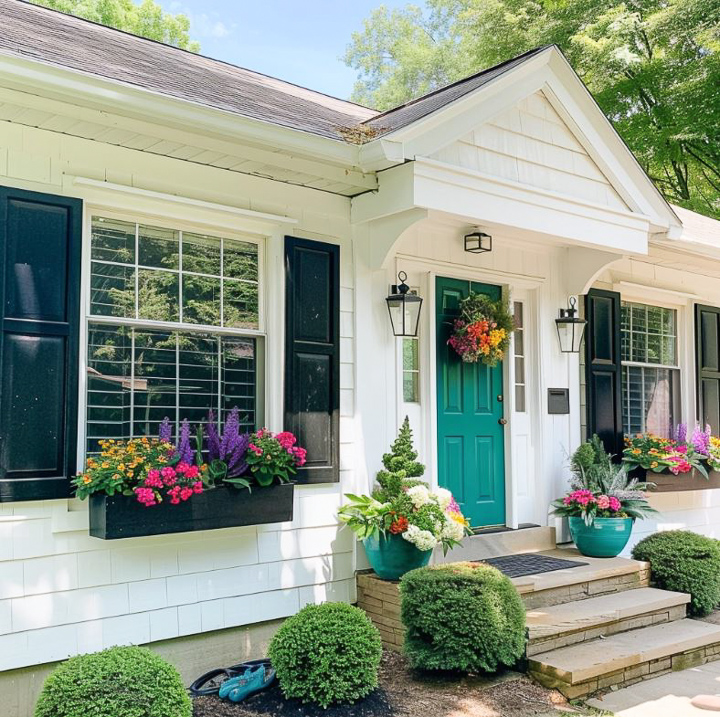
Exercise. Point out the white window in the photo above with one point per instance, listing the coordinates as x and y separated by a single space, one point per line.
519 343
411 369
650 370
173 328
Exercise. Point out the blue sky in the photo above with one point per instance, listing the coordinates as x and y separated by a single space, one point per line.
298 41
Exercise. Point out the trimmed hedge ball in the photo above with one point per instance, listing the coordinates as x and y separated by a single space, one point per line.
465 617
685 562
327 654
120 681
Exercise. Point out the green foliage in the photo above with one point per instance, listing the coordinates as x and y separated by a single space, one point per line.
327 654
121 681
462 616
685 562
653 67
401 466
589 455
146 19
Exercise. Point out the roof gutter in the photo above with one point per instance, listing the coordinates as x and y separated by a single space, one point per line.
75 87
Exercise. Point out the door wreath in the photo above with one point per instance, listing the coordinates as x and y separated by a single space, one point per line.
482 331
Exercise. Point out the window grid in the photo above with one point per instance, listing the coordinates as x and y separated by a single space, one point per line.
411 369
650 374
232 362
519 349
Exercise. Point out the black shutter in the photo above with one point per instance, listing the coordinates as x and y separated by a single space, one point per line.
707 357
603 368
40 291
312 354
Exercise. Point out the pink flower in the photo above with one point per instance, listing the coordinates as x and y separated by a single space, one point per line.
197 487
146 496
167 472
255 449
615 505
300 455
286 439
153 473
603 502
182 467
192 472
186 493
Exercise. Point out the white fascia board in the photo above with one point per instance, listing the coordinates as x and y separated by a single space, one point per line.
577 107
482 199
77 87
395 194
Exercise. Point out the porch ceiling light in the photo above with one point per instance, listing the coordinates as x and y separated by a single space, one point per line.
570 328
404 308
478 242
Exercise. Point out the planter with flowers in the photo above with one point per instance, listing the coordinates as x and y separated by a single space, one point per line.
205 481
687 461
403 520
604 502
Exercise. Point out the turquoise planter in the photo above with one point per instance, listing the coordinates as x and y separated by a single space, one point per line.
391 556
605 538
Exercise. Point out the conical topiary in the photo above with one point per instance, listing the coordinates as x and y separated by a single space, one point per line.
401 466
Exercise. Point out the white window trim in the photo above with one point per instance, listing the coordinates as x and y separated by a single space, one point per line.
269 393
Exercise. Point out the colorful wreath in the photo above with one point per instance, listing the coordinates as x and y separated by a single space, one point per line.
483 329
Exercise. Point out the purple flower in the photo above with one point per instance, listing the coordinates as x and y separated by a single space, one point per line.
213 439
236 458
681 433
165 432
231 431
184 450
701 440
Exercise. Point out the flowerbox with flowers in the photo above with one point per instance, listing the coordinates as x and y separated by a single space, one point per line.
204 481
687 461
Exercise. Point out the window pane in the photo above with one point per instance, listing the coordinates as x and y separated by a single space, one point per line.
410 354
518 314
158 247
158 295
520 399
648 400
113 240
201 253
112 290
240 260
238 378
411 390
240 304
201 300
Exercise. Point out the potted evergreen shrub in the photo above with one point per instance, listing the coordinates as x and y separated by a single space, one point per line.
604 502
403 520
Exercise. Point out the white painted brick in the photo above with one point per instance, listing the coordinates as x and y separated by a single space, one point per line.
347 328
347 402
340 591
6 535
164 624
14 651
129 564
316 509
207 553
89 636
32 539
126 630
5 617
212 615
347 352
54 574
248 609
11 579
94 568
347 299
347 375
232 581
147 595
310 571
189 619
181 589
306 542
22 165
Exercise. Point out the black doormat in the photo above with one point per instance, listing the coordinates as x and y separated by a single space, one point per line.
515 566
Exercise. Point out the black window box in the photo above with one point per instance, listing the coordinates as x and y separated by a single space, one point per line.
121 516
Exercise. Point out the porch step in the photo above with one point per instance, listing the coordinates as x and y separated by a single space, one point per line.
587 668
559 626
501 542
599 576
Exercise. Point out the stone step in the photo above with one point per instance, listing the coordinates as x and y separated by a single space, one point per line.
598 576
493 544
590 667
561 625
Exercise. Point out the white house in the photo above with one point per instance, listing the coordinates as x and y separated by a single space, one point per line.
298 211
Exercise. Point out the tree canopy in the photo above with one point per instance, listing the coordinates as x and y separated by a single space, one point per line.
147 19
652 65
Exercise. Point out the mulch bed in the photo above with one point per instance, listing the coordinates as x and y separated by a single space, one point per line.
405 693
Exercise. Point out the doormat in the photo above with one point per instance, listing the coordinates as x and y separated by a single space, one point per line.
515 566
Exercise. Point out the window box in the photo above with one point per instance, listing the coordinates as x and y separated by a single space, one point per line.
120 516
667 482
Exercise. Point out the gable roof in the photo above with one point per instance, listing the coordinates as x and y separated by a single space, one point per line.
51 37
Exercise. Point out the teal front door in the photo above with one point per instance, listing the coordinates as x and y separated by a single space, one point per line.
471 447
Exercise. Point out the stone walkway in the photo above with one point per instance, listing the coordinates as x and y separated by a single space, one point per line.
666 696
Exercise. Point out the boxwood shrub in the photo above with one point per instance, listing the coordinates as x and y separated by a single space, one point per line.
120 681
461 616
685 562
327 654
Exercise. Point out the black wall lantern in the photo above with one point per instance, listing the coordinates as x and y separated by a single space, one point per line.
404 308
570 328
478 242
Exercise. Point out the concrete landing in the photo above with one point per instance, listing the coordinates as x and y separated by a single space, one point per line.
665 696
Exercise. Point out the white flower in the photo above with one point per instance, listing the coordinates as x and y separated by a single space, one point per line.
421 539
452 530
443 496
419 495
